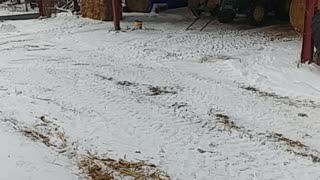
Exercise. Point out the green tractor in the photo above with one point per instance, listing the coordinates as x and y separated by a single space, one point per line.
255 10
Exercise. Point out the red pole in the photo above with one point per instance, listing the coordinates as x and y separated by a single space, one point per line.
116 14
307 44
40 6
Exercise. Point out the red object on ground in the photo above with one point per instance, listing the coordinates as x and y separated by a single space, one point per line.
116 9
307 44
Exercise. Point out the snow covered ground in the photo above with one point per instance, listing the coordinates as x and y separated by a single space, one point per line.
225 103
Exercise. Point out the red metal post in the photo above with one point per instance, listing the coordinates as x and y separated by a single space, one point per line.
40 6
307 44
116 9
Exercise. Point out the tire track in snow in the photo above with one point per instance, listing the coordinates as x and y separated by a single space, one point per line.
283 104
237 89
188 42
186 46
245 146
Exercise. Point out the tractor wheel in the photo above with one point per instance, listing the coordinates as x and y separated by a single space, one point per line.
282 9
226 15
256 14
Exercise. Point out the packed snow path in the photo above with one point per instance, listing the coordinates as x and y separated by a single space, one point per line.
226 103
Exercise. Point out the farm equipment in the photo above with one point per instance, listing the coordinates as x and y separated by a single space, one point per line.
255 10
198 7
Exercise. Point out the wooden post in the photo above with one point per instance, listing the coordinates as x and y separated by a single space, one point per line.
40 6
76 7
26 5
116 14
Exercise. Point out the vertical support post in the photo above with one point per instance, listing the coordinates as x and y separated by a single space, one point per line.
307 44
116 10
26 5
76 7
40 6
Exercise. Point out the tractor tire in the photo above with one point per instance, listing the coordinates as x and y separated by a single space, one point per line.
226 15
257 14
283 9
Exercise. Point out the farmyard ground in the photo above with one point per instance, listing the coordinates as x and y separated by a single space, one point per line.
225 103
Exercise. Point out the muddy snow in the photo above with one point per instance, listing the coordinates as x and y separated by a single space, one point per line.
226 103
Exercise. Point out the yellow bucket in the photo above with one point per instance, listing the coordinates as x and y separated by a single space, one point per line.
138 24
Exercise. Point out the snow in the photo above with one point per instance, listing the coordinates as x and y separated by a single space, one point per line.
21 159
225 103
6 28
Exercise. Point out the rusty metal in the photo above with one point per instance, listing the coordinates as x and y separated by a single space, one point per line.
116 8
307 44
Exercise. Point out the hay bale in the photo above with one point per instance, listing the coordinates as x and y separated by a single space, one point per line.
97 9
87 7
297 12
92 9
83 8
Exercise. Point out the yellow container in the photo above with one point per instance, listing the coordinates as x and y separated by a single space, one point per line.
138 24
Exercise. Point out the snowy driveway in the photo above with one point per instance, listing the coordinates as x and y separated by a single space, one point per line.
226 103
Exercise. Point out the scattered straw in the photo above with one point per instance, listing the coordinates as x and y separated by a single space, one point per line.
98 168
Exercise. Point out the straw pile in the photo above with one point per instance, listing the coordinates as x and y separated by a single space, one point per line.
97 9
297 12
